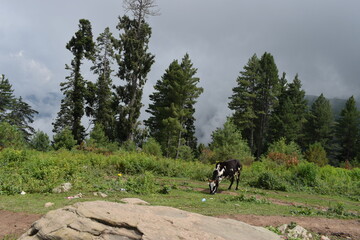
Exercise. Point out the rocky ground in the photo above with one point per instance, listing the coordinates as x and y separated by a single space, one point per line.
14 224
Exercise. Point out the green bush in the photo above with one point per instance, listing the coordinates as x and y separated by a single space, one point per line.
64 139
186 153
227 143
40 141
129 146
142 184
285 154
97 137
152 147
269 181
306 174
316 154
10 136
12 156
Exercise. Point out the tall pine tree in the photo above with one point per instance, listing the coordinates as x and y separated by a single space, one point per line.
347 131
244 98
15 111
267 92
135 63
100 93
289 116
319 123
6 96
172 108
21 116
74 89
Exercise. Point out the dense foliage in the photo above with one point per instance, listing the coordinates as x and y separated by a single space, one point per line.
33 171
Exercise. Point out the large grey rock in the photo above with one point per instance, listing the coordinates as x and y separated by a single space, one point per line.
110 221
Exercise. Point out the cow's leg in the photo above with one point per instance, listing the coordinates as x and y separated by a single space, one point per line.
237 180
232 181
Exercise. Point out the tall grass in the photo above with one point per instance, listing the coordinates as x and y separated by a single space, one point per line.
32 171
303 177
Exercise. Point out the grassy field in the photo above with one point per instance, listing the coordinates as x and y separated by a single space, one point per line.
265 189
192 195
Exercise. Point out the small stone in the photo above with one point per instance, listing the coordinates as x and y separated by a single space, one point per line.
283 228
324 238
298 232
100 194
103 195
49 204
134 201
65 187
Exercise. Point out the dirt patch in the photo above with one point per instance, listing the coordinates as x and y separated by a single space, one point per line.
15 224
349 229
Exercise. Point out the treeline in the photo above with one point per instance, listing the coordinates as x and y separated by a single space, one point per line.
268 109
271 117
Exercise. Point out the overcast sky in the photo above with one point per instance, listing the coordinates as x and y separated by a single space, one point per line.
319 40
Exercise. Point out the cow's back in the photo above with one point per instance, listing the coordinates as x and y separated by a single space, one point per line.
231 167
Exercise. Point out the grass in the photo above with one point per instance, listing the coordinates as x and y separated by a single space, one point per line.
188 195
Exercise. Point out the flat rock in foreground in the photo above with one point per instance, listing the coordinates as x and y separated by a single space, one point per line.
110 221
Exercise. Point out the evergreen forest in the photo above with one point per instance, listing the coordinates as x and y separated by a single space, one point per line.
271 117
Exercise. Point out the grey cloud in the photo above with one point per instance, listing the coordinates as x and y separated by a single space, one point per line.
317 39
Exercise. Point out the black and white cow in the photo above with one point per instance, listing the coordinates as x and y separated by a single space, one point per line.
228 169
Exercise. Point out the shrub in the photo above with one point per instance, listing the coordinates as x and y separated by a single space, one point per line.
142 184
186 153
316 154
10 136
206 155
306 174
269 181
283 153
13 156
64 139
97 137
129 146
40 141
152 147
282 158
227 143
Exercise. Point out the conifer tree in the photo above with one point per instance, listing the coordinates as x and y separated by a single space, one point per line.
74 89
288 118
172 120
21 116
347 130
6 96
244 98
40 141
134 62
228 143
14 110
100 99
254 99
319 123
267 91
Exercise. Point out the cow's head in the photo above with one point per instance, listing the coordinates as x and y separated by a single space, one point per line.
216 178
213 185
